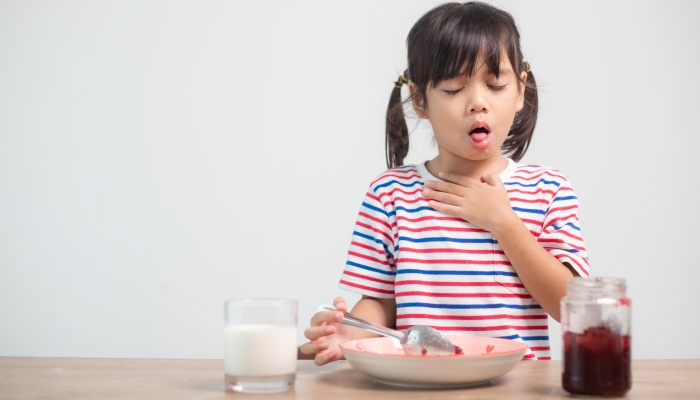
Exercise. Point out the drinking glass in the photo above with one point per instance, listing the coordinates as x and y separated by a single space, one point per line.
260 345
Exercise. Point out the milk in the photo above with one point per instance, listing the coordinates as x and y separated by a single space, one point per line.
260 350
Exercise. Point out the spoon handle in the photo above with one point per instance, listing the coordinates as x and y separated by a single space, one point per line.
354 320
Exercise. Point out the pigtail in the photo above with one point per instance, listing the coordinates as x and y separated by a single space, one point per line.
520 134
396 145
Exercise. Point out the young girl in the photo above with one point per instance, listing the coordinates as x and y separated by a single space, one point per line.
469 242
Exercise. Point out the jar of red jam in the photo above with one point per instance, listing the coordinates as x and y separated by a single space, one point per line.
595 320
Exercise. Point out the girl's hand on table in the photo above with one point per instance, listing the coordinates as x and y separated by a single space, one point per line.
326 334
484 204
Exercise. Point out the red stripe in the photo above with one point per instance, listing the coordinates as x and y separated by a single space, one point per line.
391 240
446 250
482 328
364 246
366 257
445 261
551 210
429 218
364 214
427 283
368 278
530 178
531 221
526 192
416 200
540 348
373 197
560 256
543 201
575 218
466 295
393 172
544 358
392 191
571 235
344 282
470 317
528 356
441 228
559 241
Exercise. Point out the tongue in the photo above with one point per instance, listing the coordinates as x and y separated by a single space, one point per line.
479 137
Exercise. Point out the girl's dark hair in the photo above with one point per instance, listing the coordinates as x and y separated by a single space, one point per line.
444 41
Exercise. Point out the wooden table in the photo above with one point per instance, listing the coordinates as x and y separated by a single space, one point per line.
91 378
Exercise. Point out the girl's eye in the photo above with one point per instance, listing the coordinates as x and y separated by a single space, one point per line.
497 88
453 92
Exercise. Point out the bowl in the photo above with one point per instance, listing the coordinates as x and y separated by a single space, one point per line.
483 360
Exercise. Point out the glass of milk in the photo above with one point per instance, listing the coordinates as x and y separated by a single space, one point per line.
260 345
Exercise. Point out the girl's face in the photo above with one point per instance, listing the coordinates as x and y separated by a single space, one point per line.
471 116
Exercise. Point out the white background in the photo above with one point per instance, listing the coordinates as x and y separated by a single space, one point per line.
157 158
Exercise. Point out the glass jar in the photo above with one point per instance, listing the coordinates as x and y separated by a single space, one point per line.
595 320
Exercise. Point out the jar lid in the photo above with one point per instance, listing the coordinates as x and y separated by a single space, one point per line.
596 287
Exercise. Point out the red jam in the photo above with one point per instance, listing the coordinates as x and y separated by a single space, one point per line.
458 350
597 362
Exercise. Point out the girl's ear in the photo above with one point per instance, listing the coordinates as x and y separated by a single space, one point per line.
418 101
521 93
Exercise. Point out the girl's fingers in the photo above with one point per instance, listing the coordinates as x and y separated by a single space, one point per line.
445 208
492 179
339 303
326 317
444 187
326 357
442 197
315 332
314 347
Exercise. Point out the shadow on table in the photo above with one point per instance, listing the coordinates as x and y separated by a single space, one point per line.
355 380
208 385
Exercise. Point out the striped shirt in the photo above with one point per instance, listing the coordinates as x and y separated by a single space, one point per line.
449 274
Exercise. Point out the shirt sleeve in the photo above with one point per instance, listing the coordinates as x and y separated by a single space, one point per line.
561 231
370 267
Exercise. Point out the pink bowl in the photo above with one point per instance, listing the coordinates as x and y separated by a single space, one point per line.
483 359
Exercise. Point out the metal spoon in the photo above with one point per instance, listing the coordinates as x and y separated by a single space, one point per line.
419 340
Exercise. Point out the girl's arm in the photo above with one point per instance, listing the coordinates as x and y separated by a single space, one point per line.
488 207
379 311
542 275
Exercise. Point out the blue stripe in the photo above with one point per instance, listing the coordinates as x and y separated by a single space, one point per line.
432 272
380 271
516 336
412 210
375 240
533 184
468 306
528 210
535 337
446 239
565 198
414 183
567 250
377 209
556 228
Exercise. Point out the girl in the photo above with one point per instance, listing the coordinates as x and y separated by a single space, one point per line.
469 242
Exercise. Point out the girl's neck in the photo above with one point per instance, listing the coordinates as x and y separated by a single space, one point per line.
475 169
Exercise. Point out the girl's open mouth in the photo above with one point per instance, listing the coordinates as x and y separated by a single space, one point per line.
480 135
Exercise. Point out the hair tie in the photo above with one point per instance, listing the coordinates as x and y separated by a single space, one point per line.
400 82
527 64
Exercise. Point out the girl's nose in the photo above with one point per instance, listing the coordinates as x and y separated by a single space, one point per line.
477 102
